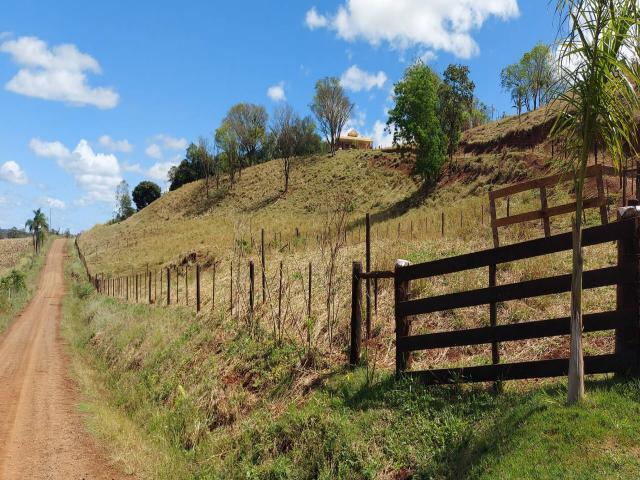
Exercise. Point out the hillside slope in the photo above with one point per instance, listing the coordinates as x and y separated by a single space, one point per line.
187 223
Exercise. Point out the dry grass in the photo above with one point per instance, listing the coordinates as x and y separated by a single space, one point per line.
12 252
405 225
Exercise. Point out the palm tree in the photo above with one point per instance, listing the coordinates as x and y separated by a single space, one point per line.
599 69
35 225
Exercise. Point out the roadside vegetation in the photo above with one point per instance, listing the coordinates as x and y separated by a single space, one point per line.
19 271
178 396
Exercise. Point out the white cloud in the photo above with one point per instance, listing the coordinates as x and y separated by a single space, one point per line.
356 79
163 143
380 137
435 24
97 174
12 172
160 170
131 167
314 20
276 92
428 56
57 74
115 145
356 121
154 151
55 203
49 149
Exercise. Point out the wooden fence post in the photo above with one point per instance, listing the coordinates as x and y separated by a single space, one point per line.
213 286
442 223
263 266
127 288
186 284
368 269
197 287
231 287
280 301
627 338
356 314
160 275
149 286
309 303
251 288
168 285
137 287
177 286
403 324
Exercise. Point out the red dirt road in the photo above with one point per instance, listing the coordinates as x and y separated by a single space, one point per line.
42 435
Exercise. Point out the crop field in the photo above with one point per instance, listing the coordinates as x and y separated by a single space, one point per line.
12 251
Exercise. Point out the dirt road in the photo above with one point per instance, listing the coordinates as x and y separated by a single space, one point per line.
41 432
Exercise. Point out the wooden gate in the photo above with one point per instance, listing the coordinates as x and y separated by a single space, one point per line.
624 319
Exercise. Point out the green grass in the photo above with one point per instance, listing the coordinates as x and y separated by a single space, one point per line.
178 396
30 266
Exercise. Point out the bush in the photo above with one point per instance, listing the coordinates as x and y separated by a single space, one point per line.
15 281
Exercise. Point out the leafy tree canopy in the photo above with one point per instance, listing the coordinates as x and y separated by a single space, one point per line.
145 193
414 119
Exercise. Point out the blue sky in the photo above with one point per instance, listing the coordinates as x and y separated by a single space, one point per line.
93 92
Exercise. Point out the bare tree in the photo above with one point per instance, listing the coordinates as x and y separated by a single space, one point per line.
332 242
332 108
205 160
283 128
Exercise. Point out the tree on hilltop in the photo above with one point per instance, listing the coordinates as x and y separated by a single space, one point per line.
414 119
332 109
145 193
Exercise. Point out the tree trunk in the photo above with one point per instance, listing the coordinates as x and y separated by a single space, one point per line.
576 361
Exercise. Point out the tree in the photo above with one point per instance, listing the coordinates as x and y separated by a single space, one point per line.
145 193
479 115
599 102
284 133
531 81
124 209
513 80
37 225
414 119
249 124
538 65
228 144
332 109
196 165
456 102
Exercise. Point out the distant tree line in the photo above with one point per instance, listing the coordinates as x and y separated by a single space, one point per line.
430 113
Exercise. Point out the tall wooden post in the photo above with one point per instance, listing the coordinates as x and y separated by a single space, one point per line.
368 269
137 287
231 288
442 223
263 266
213 286
280 301
628 338
149 286
160 275
168 285
197 287
177 286
309 296
356 314
127 288
403 324
545 217
186 284
251 287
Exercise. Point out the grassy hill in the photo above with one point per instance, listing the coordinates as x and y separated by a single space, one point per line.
230 395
